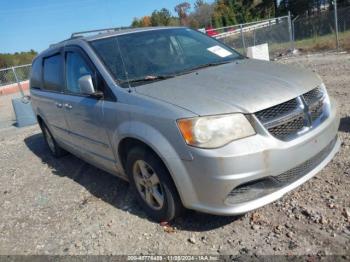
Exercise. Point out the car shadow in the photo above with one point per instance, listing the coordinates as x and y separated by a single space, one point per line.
345 124
114 190
200 222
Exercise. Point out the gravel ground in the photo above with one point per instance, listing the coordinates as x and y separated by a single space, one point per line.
66 206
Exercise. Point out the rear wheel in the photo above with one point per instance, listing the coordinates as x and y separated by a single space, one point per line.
55 149
154 187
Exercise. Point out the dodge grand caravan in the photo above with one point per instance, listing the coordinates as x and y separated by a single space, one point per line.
187 120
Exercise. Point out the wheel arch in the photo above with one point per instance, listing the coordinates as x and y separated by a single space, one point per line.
180 179
40 120
129 142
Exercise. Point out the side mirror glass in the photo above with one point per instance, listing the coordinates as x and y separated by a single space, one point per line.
86 85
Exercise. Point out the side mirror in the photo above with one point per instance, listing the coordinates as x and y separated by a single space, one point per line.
86 85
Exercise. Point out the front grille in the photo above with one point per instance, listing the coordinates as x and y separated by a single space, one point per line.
259 188
313 96
291 127
316 110
297 172
285 121
277 111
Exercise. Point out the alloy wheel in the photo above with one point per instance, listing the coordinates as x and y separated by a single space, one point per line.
148 184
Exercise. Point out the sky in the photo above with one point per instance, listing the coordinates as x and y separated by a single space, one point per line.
35 24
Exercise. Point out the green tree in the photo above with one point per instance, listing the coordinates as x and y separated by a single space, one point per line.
297 7
202 14
161 18
224 14
135 22
8 60
266 9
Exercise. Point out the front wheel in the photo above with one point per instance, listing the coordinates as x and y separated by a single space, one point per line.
154 187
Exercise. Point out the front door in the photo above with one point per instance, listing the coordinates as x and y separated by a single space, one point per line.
84 113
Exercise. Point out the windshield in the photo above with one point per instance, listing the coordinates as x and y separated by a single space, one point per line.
160 54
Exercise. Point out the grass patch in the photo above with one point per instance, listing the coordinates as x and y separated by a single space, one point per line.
309 45
323 43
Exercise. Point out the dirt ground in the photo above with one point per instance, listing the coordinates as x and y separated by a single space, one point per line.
66 206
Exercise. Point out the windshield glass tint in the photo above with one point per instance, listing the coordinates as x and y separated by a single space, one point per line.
160 53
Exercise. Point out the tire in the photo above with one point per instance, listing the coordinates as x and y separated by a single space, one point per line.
51 143
171 206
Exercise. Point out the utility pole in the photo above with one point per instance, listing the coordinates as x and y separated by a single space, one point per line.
243 40
291 31
336 24
17 81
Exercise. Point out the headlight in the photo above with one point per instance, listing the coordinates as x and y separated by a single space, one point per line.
214 131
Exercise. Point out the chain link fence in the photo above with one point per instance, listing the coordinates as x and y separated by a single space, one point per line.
309 33
14 74
14 87
344 19
277 32
319 33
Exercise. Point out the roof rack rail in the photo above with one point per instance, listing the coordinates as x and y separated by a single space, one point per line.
74 35
56 44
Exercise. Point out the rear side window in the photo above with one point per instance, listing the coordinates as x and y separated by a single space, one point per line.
53 73
35 76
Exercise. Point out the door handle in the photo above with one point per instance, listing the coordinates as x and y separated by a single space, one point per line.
58 105
68 106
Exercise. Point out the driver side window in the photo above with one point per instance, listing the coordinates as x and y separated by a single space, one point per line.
76 67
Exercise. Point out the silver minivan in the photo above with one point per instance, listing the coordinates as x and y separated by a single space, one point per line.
187 120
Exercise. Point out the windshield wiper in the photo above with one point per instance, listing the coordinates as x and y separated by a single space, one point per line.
208 65
147 79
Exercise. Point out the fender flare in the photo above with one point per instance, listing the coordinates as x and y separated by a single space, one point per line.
154 139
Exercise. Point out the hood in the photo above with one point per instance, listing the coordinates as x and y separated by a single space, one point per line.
245 86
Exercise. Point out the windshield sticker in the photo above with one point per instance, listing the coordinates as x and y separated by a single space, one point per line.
219 51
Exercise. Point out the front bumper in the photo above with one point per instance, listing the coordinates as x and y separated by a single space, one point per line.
215 173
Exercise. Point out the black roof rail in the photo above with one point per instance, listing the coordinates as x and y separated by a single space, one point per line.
61 42
81 34
74 35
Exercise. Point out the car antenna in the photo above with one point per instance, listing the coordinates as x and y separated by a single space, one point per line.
124 67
